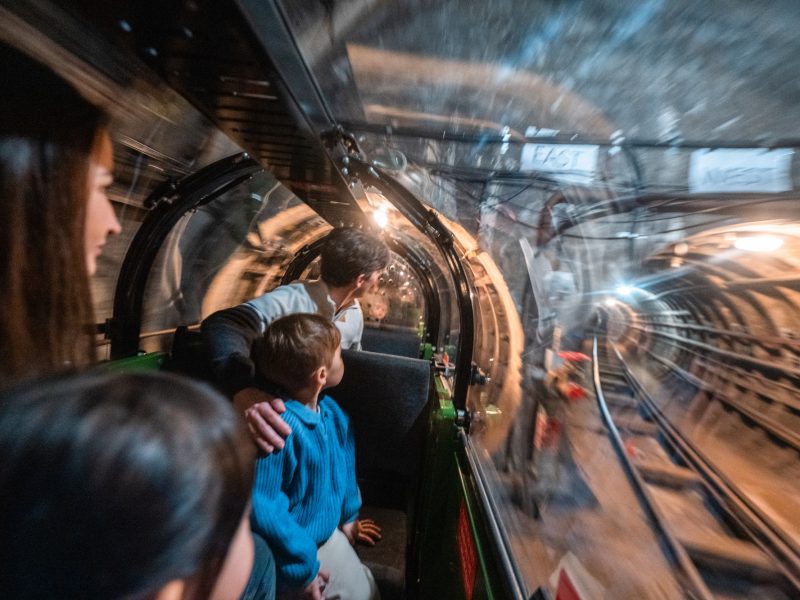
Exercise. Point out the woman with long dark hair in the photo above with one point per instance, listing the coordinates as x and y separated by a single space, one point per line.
126 486
55 165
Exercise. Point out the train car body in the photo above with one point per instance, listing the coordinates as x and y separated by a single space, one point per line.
593 216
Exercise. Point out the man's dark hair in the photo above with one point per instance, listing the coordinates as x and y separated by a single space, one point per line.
348 253
293 347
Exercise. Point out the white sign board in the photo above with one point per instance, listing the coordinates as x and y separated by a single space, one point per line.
574 162
740 170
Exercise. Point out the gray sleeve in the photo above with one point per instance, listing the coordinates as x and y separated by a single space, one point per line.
229 334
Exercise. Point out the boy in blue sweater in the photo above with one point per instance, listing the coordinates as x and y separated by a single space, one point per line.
305 496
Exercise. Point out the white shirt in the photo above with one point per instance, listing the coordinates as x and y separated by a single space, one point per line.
310 297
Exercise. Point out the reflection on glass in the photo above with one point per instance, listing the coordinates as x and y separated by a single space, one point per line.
228 250
582 146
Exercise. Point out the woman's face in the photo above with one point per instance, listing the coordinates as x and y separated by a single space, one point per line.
234 574
100 218
236 569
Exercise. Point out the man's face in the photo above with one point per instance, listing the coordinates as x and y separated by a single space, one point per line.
368 284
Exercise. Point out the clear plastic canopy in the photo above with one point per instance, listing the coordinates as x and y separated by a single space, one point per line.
622 160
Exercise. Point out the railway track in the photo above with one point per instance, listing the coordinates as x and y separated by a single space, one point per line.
721 544
771 426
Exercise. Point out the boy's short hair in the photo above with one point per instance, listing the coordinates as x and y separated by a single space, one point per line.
348 253
293 347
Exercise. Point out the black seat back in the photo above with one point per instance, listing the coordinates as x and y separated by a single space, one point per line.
387 399
399 342
189 355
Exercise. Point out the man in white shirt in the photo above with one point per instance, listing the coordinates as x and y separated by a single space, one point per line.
313 297
351 262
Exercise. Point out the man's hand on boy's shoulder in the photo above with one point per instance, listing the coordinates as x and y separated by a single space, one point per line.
315 589
262 413
364 531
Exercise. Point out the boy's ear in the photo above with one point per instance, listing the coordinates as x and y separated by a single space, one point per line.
320 375
361 280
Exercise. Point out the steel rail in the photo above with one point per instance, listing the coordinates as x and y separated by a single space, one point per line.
756 362
678 555
762 530
770 426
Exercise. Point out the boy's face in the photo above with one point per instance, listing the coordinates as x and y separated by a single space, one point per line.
336 370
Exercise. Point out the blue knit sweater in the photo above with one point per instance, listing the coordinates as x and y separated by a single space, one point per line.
305 491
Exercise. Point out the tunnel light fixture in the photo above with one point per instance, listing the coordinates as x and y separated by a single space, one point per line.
381 216
625 290
758 243
681 248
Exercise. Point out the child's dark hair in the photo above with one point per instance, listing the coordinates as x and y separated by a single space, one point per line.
293 347
348 253
112 485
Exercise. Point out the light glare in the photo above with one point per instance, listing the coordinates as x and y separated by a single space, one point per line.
758 243
624 290
381 216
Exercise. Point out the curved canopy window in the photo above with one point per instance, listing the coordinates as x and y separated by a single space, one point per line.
625 165
225 252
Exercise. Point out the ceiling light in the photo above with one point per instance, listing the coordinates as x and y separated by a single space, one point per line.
381 216
624 290
758 243
681 248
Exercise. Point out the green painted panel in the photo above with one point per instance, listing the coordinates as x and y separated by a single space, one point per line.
152 361
454 559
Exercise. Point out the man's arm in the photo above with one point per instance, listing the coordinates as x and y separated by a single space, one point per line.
229 335
262 413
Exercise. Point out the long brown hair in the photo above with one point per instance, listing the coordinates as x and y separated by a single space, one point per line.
47 132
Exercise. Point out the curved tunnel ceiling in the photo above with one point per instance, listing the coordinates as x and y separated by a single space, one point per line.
687 71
